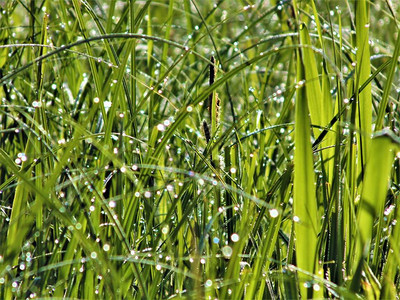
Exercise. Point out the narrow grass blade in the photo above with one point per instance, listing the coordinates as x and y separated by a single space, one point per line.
388 85
363 72
304 202
311 77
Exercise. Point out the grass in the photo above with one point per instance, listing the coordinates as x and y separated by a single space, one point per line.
190 149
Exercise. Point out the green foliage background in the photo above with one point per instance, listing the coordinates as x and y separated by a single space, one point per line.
126 171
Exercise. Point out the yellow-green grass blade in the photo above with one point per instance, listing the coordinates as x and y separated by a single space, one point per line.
305 202
393 261
388 85
374 191
363 72
96 78
263 260
20 218
313 87
150 44
319 98
168 31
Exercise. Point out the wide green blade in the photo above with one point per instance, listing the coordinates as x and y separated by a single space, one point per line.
374 191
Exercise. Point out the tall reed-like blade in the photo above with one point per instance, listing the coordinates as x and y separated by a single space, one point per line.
374 192
388 85
363 72
304 203
311 79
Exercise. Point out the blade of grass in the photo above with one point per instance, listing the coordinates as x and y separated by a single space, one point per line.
374 191
388 85
363 67
304 202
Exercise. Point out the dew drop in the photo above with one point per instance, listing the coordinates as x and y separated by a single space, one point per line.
227 251
235 237
208 283
273 213
161 127
165 229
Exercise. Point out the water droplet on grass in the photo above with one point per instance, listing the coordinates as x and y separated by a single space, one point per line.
107 104
273 213
227 251
165 229
235 237
208 283
161 127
